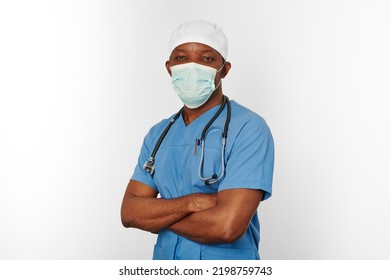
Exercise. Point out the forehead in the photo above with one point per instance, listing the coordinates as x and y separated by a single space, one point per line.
193 47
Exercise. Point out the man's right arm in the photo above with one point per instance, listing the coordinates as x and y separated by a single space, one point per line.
142 209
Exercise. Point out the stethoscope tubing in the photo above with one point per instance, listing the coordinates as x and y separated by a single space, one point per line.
149 164
215 178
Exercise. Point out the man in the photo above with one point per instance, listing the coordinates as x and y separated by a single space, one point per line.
208 196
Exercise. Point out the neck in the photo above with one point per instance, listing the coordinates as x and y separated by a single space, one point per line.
189 115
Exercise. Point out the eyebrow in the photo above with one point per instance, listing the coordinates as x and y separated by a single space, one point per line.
209 50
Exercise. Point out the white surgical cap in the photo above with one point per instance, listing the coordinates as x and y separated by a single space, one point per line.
200 31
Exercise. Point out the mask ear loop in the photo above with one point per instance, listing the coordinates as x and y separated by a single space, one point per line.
223 65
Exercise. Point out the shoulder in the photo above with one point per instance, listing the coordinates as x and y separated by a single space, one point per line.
155 132
159 127
246 118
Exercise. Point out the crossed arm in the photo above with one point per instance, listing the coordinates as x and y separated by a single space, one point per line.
204 218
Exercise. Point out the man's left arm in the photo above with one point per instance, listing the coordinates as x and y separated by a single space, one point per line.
224 223
248 180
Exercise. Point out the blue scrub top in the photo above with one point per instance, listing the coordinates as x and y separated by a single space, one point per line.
249 162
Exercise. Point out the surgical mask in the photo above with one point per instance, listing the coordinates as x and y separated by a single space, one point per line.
194 83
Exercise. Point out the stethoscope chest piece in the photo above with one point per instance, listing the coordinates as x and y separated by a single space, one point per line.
149 165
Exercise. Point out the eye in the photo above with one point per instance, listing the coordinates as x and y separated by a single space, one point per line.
208 58
179 57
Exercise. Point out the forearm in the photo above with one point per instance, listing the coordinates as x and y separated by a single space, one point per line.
153 214
207 227
224 223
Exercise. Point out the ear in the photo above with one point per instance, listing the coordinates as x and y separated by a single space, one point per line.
226 69
168 66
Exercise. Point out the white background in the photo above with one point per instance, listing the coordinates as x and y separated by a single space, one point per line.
81 82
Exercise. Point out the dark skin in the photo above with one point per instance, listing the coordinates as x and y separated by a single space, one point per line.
205 55
205 218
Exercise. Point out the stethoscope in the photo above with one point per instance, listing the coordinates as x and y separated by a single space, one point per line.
149 164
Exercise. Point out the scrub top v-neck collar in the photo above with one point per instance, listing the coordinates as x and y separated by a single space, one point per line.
208 114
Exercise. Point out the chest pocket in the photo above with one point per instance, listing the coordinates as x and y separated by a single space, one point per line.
212 162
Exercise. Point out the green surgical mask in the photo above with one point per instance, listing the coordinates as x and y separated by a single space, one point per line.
194 83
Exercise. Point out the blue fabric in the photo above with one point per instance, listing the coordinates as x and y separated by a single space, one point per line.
249 158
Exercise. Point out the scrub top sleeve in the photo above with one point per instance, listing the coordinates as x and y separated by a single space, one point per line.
250 163
140 174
